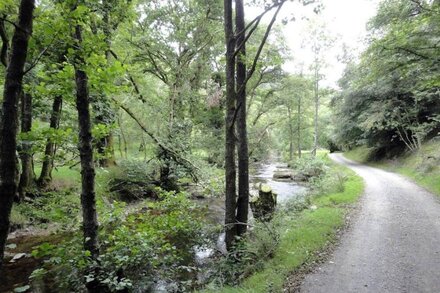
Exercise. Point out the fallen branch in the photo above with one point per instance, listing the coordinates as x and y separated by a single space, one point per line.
169 151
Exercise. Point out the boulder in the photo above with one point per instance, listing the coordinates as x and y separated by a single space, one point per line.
282 174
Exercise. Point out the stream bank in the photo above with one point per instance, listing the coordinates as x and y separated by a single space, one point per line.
16 274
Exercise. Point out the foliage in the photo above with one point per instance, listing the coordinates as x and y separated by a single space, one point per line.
301 235
133 180
61 206
390 100
421 166
137 249
309 167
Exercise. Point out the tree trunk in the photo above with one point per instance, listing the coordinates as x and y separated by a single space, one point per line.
243 152
26 177
316 134
106 117
88 201
104 145
124 140
289 113
230 171
49 152
263 206
299 127
12 88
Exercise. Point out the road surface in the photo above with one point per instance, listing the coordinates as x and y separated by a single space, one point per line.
393 244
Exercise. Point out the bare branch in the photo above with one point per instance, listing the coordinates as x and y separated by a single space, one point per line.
172 153
260 48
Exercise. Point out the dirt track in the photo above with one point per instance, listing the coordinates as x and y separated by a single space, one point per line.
393 244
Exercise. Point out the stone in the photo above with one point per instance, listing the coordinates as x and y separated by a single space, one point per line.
282 175
18 256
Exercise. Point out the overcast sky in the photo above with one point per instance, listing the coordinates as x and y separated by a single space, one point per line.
345 20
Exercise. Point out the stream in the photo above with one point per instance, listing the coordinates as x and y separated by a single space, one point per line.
260 173
286 189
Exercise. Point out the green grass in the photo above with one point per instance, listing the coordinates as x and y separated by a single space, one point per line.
61 204
359 154
303 236
422 166
62 174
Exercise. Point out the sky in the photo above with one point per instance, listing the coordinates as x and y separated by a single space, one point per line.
345 21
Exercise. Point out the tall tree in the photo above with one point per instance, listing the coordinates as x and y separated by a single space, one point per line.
230 170
9 119
320 41
88 197
237 77
26 177
241 125
49 151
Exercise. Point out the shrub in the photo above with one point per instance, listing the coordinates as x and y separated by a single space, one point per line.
133 180
156 243
309 167
49 207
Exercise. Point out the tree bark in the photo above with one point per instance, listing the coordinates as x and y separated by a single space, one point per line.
299 127
26 177
230 171
88 201
49 152
241 125
104 145
5 43
316 133
289 113
12 88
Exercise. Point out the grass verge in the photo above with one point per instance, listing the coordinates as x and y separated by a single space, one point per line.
306 233
422 166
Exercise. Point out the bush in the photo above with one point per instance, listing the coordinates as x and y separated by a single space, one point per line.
309 167
133 180
254 251
49 207
136 250
250 254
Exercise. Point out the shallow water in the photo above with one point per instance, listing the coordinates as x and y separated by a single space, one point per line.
262 173
285 189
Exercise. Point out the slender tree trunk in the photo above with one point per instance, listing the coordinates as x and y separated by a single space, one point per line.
104 145
299 127
230 170
88 200
243 151
9 123
26 177
90 222
49 152
124 140
316 134
289 113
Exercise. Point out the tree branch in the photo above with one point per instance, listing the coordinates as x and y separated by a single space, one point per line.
172 153
260 48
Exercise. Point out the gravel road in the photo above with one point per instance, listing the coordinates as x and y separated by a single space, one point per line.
393 244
